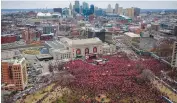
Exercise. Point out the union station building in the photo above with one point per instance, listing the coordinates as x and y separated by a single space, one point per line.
66 48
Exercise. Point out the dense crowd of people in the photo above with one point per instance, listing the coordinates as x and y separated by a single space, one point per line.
118 78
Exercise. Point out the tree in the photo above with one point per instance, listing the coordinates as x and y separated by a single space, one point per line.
147 74
50 67
60 66
164 48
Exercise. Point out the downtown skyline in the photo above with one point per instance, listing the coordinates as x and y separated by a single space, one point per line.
98 3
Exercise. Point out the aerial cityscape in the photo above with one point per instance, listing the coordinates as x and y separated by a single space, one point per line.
88 52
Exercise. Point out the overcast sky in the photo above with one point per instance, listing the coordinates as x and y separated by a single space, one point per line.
99 3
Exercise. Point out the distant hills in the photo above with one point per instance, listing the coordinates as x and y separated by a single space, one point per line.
158 10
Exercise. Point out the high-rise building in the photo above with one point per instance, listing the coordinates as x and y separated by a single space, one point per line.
130 12
85 6
59 10
81 9
48 28
99 12
95 9
120 11
91 9
14 74
116 8
70 12
124 12
30 35
70 6
136 12
70 9
77 7
109 9
65 13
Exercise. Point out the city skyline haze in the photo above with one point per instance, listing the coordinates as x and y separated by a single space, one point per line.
98 3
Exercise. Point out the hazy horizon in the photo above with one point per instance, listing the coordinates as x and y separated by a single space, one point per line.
98 3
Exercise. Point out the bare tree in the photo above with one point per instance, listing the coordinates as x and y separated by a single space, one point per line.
50 67
60 66
147 74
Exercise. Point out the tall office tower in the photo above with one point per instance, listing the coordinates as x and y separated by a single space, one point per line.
85 5
96 8
109 9
81 9
91 9
130 12
120 11
116 8
124 11
99 12
174 55
85 8
77 7
65 13
136 12
70 9
14 74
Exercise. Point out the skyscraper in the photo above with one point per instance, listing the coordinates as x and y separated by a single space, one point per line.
136 11
70 6
109 9
120 11
116 8
91 9
130 12
81 9
66 11
77 6
70 9
96 8
85 6
99 12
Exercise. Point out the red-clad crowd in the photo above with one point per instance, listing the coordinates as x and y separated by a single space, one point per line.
117 77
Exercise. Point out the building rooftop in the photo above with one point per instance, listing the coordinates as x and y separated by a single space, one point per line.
105 45
47 34
54 44
41 56
126 17
86 41
96 29
130 34
14 61
62 51
43 14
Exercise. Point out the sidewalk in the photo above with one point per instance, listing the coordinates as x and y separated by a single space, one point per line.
172 96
